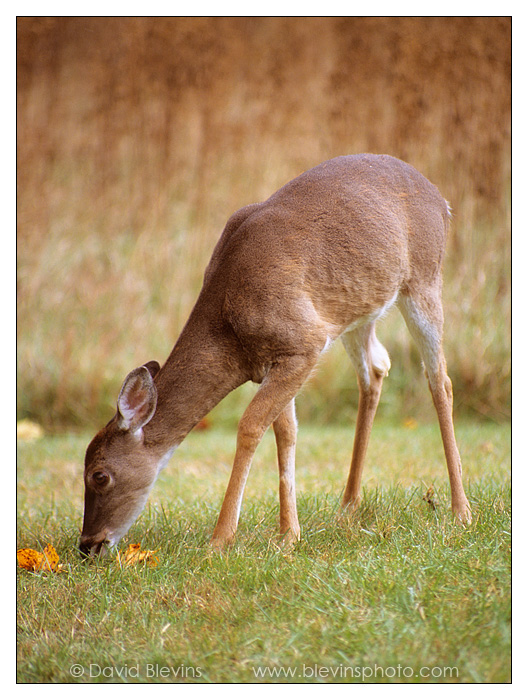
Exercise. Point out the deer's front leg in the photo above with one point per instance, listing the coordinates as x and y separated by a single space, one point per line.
285 427
277 391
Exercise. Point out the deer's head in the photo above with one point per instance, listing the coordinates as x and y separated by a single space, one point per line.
120 468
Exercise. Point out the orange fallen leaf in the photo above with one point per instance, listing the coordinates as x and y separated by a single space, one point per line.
429 498
204 424
410 423
134 555
31 560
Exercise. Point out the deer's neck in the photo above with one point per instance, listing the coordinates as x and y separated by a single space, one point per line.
201 370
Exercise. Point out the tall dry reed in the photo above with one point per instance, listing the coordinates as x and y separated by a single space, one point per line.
138 137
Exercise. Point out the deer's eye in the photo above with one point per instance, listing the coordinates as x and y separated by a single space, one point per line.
101 478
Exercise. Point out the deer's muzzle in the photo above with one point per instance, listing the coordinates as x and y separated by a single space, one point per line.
91 545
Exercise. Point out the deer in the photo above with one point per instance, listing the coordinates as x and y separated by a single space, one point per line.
323 258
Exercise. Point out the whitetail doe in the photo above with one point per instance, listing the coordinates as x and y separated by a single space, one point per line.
323 258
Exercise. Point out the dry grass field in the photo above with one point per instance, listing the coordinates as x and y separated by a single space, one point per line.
138 137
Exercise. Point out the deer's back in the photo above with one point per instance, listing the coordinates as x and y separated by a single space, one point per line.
331 246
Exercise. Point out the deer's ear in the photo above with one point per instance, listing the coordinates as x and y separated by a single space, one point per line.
137 400
153 367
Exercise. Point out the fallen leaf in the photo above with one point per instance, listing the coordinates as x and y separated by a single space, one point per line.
31 560
135 555
204 424
429 498
27 430
410 423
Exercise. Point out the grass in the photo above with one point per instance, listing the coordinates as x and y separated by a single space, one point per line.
399 592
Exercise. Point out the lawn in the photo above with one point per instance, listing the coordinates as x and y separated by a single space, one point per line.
401 593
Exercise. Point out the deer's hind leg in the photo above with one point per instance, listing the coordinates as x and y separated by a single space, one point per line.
424 317
372 364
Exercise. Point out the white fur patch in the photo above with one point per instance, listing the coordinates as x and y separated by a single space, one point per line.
424 332
166 458
379 357
362 346
327 344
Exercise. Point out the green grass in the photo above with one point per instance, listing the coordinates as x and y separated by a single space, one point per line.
399 591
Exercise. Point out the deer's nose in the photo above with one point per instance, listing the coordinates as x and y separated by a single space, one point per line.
89 544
